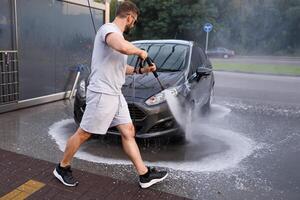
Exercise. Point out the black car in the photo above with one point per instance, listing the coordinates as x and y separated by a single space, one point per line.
220 52
182 67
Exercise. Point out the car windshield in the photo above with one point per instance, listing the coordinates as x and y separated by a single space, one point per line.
167 57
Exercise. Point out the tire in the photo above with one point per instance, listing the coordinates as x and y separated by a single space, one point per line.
206 107
225 56
77 117
193 104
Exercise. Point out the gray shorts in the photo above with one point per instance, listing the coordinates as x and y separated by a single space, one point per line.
103 111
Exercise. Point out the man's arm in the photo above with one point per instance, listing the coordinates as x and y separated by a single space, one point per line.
130 69
115 41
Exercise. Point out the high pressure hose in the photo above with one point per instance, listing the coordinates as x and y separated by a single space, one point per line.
79 68
150 62
91 14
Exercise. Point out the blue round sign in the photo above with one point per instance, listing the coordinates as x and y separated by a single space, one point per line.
208 27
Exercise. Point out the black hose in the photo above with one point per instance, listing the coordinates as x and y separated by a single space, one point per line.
150 63
92 16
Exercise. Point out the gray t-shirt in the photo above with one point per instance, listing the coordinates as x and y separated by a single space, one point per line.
108 65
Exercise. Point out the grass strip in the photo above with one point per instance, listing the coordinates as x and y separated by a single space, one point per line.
258 68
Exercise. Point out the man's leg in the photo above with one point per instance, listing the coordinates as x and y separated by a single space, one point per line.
73 145
131 148
148 176
63 170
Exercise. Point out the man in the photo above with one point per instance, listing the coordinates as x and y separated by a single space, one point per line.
106 106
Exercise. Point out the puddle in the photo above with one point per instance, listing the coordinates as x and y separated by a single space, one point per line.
211 148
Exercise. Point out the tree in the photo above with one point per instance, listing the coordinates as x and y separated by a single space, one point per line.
169 19
247 26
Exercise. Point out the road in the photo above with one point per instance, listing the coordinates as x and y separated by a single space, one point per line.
246 148
262 60
259 88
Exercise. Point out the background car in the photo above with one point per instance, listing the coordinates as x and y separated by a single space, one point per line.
184 70
220 52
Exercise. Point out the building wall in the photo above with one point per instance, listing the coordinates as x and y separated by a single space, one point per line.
5 25
54 37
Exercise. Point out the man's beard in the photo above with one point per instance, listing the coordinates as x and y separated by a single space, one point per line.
127 30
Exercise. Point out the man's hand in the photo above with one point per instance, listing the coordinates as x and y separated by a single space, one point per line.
143 54
148 69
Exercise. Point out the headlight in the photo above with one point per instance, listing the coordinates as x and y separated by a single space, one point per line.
161 97
82 88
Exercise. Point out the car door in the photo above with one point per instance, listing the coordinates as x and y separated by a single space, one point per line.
200 77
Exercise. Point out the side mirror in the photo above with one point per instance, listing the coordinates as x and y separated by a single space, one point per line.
202 71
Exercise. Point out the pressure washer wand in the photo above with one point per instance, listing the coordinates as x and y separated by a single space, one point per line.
150 63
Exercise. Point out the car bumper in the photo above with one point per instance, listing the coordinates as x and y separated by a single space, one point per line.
149 121
152 121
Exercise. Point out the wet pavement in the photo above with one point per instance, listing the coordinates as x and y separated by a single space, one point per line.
246 148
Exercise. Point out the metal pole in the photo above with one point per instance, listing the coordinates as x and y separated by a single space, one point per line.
16 25
16 47
206 44
74 85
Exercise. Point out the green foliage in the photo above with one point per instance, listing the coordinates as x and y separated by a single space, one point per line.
172 19
113 8
257 68
248 27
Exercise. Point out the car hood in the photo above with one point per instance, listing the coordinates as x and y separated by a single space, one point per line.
146 85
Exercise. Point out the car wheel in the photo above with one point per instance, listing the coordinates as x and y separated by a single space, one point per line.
78 113
226 56
77 117
193 104
206 107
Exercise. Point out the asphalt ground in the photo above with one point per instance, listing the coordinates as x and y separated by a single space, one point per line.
246 148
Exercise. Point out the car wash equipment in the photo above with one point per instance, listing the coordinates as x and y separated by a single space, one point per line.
150 62
78 70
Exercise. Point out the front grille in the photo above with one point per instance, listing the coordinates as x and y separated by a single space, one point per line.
136 113
163 126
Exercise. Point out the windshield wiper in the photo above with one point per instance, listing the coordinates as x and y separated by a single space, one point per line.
173 50
168 70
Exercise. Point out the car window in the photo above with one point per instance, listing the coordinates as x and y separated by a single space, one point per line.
132 59
167 57
203 57
197 58
205 60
